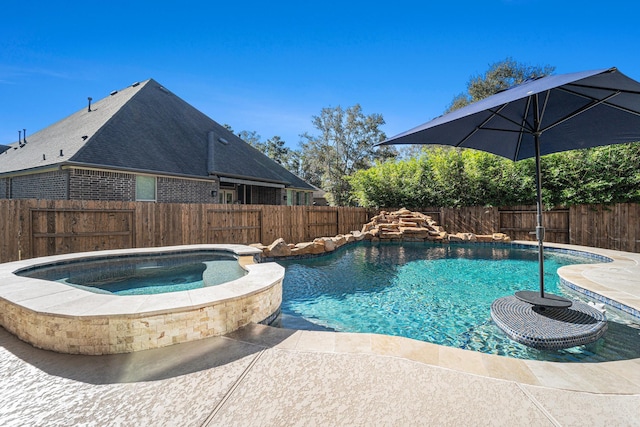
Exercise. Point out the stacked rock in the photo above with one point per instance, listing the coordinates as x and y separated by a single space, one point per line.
280 248
401 225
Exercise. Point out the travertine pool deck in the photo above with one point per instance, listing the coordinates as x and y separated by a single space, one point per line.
261 375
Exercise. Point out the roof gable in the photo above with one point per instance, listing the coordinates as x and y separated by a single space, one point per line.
145 127
154 131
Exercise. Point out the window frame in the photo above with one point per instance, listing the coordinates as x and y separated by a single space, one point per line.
155 188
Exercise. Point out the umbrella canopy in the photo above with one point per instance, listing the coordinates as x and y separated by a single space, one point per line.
538 117
577 110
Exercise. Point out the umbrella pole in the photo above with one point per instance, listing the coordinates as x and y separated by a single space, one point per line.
540 300
539 226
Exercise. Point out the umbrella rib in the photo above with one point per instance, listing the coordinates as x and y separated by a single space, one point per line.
584 95
625 109
544 106
501 130
632 92
494 113
521 126
580 111
619 107
524 121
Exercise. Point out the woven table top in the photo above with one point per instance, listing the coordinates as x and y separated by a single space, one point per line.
548 328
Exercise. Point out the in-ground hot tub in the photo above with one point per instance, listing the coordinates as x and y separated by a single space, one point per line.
69 319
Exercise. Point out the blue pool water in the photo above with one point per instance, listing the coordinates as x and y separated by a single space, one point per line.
144 274
435 293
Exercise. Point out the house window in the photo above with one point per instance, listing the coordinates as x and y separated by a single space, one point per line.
145 188
226 197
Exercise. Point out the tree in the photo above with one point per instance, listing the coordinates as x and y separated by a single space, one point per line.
500 76
345 145
405 183
252 138
273 148
310 167
452 178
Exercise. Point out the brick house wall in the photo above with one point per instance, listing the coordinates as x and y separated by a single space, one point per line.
84 184
48 185
5 186
101 185
176 190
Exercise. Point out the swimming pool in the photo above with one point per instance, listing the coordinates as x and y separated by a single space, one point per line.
143 274
436 293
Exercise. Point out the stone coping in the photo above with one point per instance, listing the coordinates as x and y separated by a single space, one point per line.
615 281
64 300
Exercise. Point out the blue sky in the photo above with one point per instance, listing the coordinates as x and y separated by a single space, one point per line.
270 66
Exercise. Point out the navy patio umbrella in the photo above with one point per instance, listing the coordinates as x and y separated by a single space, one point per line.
538 117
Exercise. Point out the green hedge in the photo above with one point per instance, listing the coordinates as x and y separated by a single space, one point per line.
448 177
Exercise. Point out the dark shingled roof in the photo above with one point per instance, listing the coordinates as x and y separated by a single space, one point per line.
3 148
145 127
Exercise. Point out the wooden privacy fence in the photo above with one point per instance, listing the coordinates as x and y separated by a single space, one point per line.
615 226
31 228
518 222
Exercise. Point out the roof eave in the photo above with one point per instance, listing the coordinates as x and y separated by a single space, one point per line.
31 171
136 170
248 178
84 165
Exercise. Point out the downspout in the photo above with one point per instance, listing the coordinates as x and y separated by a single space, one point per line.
211 139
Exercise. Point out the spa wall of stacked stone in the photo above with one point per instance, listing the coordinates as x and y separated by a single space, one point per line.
58 317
